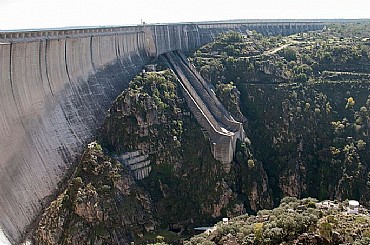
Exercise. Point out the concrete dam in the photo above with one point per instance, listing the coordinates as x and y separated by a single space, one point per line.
57 85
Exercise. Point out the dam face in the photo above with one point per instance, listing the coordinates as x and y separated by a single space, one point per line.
56 87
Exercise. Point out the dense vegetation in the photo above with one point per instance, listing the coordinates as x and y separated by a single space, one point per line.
101 204
306 101
275 59
294 222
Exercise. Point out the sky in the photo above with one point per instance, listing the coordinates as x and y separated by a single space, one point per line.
33 14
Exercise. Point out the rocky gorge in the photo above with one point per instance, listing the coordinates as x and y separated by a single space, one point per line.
304 103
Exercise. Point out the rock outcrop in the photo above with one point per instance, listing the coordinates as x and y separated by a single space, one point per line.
153 118
101 205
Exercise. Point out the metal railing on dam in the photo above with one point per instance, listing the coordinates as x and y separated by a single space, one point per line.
55 89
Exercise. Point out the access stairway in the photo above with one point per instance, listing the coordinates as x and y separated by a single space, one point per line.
222 129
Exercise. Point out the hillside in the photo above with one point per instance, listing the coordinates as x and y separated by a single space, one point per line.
152 118
306 100
305 221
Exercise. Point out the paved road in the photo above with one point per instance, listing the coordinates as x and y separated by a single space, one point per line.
346 73
273 50
277 49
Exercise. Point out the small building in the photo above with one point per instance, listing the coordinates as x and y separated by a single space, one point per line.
225 220
353 206
92 145
151 67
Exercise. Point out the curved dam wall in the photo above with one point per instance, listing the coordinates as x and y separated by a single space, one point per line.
55 89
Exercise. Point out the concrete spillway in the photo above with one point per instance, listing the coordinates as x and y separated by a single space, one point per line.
55 89
209 112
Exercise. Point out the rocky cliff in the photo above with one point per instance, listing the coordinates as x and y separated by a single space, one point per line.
153 117
101 205
306 98
186 186
313 138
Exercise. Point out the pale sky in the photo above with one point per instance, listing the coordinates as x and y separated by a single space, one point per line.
29 14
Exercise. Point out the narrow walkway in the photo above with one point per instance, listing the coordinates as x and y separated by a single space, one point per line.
346 73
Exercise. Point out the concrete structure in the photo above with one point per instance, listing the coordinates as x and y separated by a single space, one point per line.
222 129
353 206
55 89
137 163
206 229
